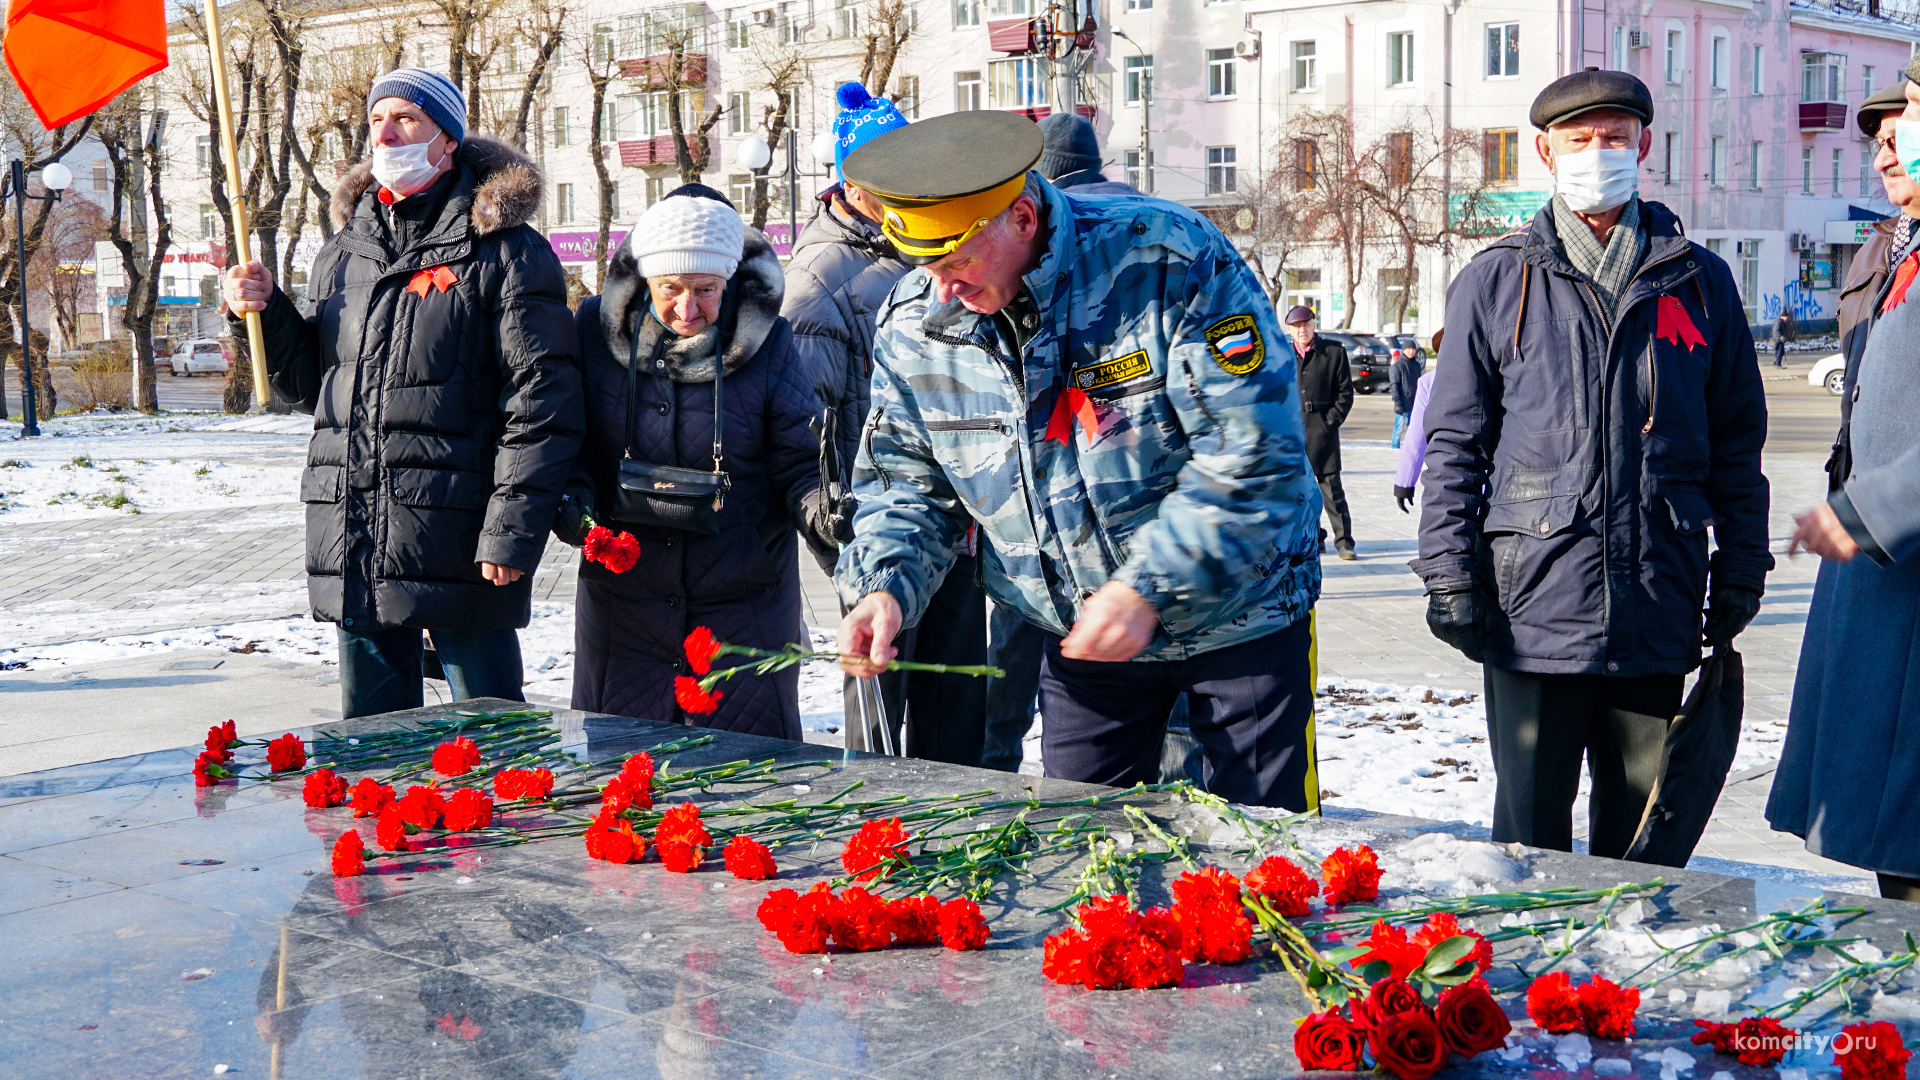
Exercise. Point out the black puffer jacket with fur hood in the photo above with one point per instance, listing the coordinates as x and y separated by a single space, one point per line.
443 375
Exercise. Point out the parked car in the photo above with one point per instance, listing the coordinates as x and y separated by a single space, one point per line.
1830 372
1367 356
195 357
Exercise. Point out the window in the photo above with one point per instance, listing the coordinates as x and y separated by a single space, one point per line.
740 189
102 175
1823 76
1756 69
656 189
613 200
967 91
1750 277
1501 148
739 113
1400 59
559 133
1676 57
1221 179
966 13
1138 81
203 153
1806 170
1866 80
1836 170
1303 287
1503 50
603 44
1139 5
846 19
1141 181
609 121
634 117
1719 55
1718 246
1014 7
906 96
1717 161
1399 296
1619 51
1670 142
1019 83
1866 170
209 221
1753 165
563 204
1221 74
1306 165
1306 65
787 19
1399 159
739 25
636 35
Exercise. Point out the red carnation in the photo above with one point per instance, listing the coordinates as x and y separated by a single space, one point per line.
616 552
1284 885
1351 875
285 754
207 770
870 848
1328 1041
678 855
614 841
1872 1052
370 796
689 695
701 650
1390 944
323 790
1441 926
1408 1044
220 737
749 859
961 926
802 921
348 855
421 806
391 829
916 920
1757 1040
1606 1009
637 773
1470 1020
512 785
1116 947
468 808
1553 1005
863 923
1214 927
456 758
682 822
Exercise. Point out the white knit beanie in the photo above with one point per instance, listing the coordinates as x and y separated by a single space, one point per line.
688 235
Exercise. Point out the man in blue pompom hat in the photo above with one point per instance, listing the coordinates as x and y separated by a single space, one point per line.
862 117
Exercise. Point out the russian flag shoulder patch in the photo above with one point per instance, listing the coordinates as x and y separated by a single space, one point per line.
1236 344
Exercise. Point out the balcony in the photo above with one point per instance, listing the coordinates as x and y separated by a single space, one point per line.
1823 116
656 70
658 150
1011 36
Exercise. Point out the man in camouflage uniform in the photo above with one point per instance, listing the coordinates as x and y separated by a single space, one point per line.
1101 389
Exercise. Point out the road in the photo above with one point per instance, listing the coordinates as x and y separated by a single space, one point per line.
186 393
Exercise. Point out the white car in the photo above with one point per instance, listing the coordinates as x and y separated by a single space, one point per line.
1830 372
195 357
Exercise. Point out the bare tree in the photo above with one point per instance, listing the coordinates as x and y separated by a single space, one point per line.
1419 169
38 148
781 71
682 72
597 56
1267 230
889 25
543 29
76 225
470 48
1331 172
133 152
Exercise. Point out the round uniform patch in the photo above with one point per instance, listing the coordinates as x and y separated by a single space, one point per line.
1236 345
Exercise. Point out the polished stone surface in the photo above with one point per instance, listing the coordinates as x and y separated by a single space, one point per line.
158 930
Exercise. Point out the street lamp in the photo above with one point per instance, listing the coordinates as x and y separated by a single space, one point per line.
1146 103
55 177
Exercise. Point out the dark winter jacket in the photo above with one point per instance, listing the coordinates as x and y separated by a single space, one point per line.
1573 469
1858 295
1326 396
444 382
742 582
1091 182
1403 379
841 271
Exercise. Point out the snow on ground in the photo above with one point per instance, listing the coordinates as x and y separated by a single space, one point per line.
98 465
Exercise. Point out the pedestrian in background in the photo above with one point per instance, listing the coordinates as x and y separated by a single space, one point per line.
700 442
443 375
1326 396
1563 537
1851 763
1072 157
1783 331
1413 450
1403 380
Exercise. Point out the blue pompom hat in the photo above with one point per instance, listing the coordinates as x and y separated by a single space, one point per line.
862 117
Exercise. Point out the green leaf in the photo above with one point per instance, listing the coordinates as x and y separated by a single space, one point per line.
1447 955
1317 977
1375 971
1342 954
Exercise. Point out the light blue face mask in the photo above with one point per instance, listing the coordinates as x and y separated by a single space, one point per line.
1906 145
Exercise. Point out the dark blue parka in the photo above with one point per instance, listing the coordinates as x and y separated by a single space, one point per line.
1573 468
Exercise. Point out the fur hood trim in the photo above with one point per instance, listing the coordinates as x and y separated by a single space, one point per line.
757 287
507 186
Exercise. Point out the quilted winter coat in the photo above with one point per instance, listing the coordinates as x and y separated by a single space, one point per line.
742 582
443 376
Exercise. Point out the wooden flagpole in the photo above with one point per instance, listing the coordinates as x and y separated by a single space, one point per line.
242 235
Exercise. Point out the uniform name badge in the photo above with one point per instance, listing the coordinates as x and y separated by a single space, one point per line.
1236 345
1134 365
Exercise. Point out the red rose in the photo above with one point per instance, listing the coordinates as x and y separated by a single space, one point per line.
1284 885
370 796
1351 875
701 650
678 855
323 790
1606 1009
348 855
1389 997
1871 1052
693 699
1470 1020
468 808
1329 1041
916 920
1408 1045
749 859
863 924
870 848
285 754
1552 1004
456 758
961 926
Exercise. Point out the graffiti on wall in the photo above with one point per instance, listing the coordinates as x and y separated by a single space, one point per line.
1799 301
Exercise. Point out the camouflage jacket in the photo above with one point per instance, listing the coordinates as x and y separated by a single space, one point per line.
1194 489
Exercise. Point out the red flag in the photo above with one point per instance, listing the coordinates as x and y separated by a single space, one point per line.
1902 277
1073 402
70 57
1672 323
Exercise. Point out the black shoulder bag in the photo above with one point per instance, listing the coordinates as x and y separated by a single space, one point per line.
665 496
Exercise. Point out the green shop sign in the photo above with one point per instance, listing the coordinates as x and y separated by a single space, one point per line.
1491 213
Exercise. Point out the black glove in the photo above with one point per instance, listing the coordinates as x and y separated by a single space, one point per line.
1404 496
574 518
829 523
1453 614
1729 610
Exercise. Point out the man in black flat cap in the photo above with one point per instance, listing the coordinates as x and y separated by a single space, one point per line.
1326 396
1596 409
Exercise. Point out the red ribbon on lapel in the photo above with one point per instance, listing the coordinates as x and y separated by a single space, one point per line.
440 277
1902 277
1672 323
1073 402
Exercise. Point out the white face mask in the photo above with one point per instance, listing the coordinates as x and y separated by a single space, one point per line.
404 170
1595 181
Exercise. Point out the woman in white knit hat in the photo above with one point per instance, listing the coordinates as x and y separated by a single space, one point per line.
714 491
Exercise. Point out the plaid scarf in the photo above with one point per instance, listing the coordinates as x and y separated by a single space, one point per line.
1608 268
1902 236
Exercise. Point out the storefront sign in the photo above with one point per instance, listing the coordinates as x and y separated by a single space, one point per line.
1491 213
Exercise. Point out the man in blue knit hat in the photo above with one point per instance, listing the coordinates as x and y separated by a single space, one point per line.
840 274
441 369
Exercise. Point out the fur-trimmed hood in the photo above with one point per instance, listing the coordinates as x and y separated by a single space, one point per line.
507 186
755 289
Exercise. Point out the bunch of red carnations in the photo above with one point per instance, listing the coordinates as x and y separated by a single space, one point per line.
1597 1006
615 551
1756 1040
214 764
1397 1030
859 921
